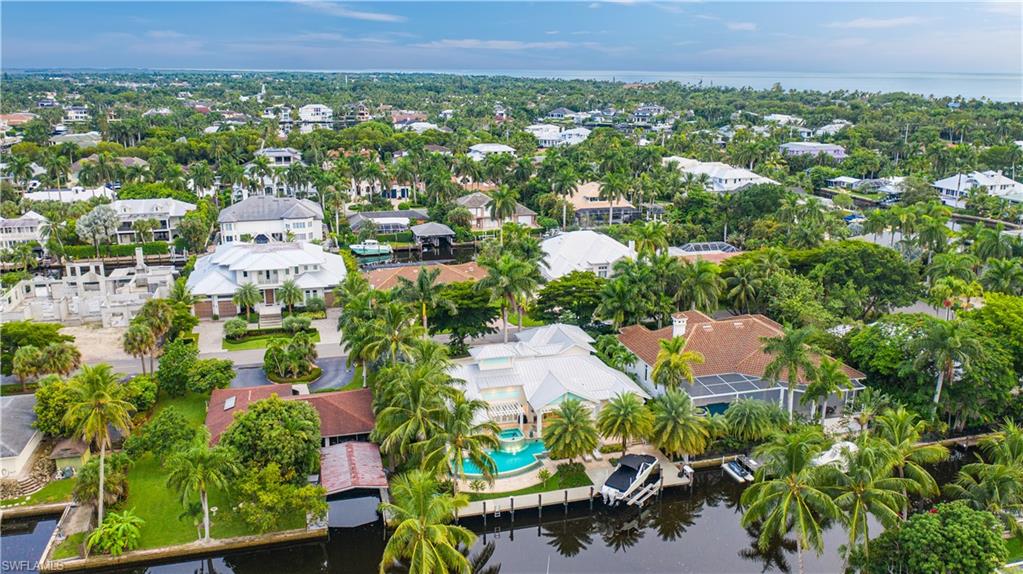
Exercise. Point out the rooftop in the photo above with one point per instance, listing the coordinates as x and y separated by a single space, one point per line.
18 413
349 465
387 278
269 208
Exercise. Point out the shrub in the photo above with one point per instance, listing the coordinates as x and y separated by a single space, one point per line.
141 392
89 252
209 374
234 328
315 304
53 398
176 366
164 434
119 532
115 478
267 499
296 323
275 431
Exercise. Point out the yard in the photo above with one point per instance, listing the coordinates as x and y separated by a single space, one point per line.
1015 549
259 341
560 480
54 491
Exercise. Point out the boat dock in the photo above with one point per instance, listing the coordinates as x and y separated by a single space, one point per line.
597 471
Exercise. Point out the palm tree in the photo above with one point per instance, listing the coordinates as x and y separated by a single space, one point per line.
60 358
564 185
202 178
199 468
420 515
425 292
674 363
461 438
19 169
788 493
679 426
828 379
25 364
944 345
246 297
612 188
394 332
143 229
625 417
139 341
993 243
508 278
902 431
97 407
866 488
791 355
650 237
752 419
290 294
1003 276
502 206
571 432
743 286
158 315
618 303
995 488
180 294
701 285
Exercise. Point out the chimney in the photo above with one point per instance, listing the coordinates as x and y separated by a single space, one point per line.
678 325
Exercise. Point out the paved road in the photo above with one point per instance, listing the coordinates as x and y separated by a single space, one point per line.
335 375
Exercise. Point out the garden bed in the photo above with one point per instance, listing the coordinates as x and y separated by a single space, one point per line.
258 339
564 478
313 375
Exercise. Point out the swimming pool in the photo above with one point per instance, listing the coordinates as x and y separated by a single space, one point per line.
519 455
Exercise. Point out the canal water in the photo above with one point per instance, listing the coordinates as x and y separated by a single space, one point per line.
684 531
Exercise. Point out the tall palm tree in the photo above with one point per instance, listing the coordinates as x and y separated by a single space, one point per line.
413 404
792 356
571 431
995 488
828 379
461 438
564 184
625 417
788 494
289 294
425 292
993 243
246 297
139 341
650 237
752 419
502 206
508 278
613 187
701 285
902 431
19 169
1003 276
202 178
199 468
674 363
96 408
618 303
420 515
394 332
158 315
866 488
679 426
944 345
60 358
25 364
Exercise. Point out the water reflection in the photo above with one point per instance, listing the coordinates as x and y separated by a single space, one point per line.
22 541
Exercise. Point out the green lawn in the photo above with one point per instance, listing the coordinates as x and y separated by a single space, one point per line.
307 378
561 480
258 342
527 321
54 491
191 405
68 548
15 389
1015 549
356 382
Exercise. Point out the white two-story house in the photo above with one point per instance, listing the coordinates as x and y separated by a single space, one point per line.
24 229
478 204
265 219
218 276
166 212
583 251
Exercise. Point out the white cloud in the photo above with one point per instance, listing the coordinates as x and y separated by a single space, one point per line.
342 11
877 23
552 32
476 44
1010 8
741 26
164 34
318 37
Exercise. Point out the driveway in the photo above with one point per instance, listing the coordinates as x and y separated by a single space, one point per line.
335 375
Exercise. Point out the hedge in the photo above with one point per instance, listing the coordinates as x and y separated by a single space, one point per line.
306 378
89 252
256 333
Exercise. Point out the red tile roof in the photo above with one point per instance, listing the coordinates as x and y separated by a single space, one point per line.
384 279
349 465
342 413
730 345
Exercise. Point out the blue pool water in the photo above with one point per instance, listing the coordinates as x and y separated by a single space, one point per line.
510 462
510 434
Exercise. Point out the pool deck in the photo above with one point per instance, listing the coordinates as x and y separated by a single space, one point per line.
598 471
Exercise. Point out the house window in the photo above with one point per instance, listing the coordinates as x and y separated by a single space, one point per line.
602 271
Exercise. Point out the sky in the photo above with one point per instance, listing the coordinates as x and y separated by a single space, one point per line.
828 37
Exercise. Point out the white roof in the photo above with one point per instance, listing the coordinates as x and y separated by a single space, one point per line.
171 207
723 176
216 274
581 251
544 373
70 195
995 182
485 148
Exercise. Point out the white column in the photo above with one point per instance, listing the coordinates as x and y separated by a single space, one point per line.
781 397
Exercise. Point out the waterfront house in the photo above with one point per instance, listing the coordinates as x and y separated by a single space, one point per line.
395 221
24 229
167 213
218 275
523 380
582 251
832 128
722 178
87 139
71 195
263 219
784 119
955 189
480 151
386 278
591 210
713 251
734 361
478 204
18 437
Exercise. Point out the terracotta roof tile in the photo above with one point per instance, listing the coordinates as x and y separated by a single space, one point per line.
387 278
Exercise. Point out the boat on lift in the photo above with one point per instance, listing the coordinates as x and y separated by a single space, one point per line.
632 472
742 469
371 247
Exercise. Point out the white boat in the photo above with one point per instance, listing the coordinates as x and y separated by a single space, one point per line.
735 471
742 469
630 474
371 247
837 455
